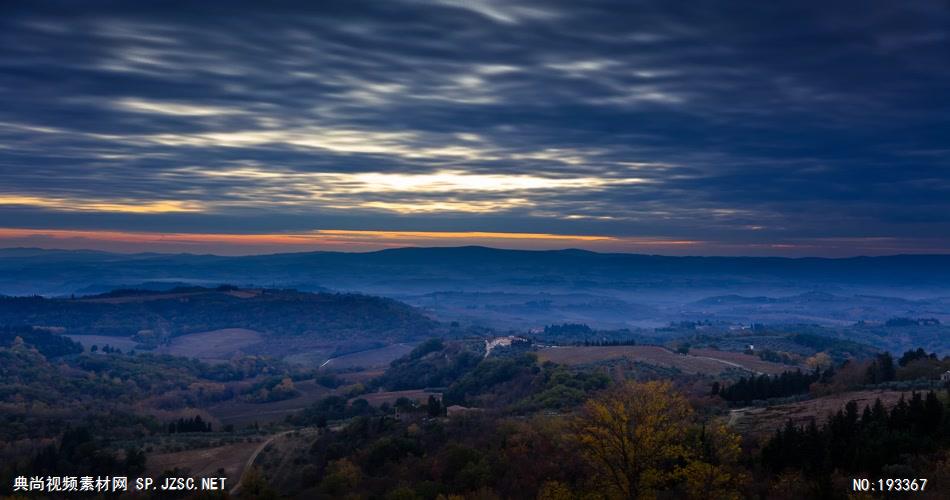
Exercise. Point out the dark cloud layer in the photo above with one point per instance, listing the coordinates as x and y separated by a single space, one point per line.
742 123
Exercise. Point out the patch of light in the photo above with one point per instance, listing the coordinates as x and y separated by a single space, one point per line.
173 109
438 206
441 181
102 205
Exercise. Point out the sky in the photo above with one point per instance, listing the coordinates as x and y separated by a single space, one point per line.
703 128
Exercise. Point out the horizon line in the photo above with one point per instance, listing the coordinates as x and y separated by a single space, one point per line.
365 241
484 247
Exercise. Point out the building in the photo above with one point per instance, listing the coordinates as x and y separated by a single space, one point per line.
458 411
501 342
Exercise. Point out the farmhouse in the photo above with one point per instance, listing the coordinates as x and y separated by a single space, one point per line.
459 410
501 342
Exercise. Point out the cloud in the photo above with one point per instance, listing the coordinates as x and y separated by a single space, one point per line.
627 121
499 11
171 108
102 205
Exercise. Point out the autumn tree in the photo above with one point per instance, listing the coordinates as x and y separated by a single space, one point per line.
640 439
554 490
342 476
254 486
820 361
631 436
711 471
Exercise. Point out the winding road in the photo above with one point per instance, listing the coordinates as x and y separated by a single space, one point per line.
253 457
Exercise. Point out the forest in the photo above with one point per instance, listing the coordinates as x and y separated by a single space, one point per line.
863 442
196 309
463 424
767 387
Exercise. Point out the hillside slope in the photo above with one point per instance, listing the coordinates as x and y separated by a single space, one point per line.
191 310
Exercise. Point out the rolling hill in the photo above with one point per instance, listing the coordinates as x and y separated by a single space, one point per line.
181 311
423 270
529 289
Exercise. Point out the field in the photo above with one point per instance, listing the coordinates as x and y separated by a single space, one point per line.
378 398
241 413
764 420
361 376
204 462
304 355
372 358
710 362
213 345
210 346
87 341
746 361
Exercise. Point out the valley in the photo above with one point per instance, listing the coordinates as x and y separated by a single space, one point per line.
312 394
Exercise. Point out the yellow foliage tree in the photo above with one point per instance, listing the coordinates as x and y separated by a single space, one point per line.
632 434
710 473
819 361
640 439
554 490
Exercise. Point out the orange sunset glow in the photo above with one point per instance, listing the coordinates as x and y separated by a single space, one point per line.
330 239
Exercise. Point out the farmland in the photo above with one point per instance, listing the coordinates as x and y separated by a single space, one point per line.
746 361
205 462
378 398
213 345
208 346
241 413
361 377
87 341
764 420
372 358
710 362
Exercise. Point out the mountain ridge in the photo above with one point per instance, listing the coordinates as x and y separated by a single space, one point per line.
417 270
479 248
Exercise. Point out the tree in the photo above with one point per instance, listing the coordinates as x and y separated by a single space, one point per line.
434 407
820 361
867 444
254 486
404 404
881 370
766 386
640 439
554 490
342 476
914 355
632 436
711 472
135 461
